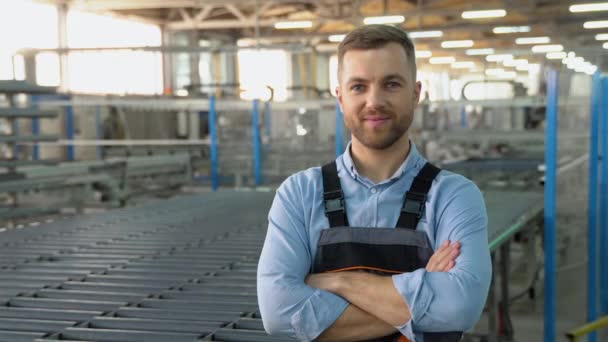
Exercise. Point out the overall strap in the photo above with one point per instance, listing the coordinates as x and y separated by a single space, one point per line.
414 199
333 197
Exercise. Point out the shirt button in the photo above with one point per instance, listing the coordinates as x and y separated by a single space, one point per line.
373 190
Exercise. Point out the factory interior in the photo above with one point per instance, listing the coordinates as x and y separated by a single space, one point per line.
133 131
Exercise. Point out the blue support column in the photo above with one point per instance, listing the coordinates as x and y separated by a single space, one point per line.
213 144
98 132
604 201
69 130
463 117
592 207
267 120
549 214
339 134
16 146
257 151
35 128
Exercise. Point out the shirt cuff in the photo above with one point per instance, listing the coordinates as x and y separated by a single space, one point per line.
317 314
417 296
407 331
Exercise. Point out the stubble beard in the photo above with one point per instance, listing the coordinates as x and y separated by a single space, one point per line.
380 139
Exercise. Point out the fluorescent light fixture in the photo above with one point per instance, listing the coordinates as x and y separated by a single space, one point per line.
575 62
423 54
494 72
442 60
336 38
451 44
557 55
600 6
391 19
478 52
605 46
497 13
547 48
511 29
596 24
515 62
425 34
463 65
532 40
522 67
508 75
590 70
326 47
286 25
498 58
601 36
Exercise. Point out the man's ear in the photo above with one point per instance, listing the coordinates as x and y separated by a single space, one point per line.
339 96
417 91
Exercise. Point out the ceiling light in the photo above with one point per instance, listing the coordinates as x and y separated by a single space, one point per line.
463 65
515 62
547 48
477 52
423 54
601 36
425 34
450 44
442 60
557 55
391 19
286 25
484 14
494 72
498 58
511 29
508 75
596 24
336 38
532 40
601 6
605 46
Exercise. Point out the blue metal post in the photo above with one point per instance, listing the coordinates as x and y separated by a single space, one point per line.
257 151
549 215
213 144
35 129
69 130
98 132
592 207
267 120
339 137
35 133
604 202
463 117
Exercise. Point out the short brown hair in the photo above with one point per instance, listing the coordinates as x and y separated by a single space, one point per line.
369 37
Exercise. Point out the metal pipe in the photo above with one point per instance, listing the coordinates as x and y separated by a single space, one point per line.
339 137
213 144
257 152
549 214
604 202
592 207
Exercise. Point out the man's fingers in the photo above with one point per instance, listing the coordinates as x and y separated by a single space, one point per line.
443 259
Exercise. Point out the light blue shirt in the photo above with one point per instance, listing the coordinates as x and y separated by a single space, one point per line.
438 301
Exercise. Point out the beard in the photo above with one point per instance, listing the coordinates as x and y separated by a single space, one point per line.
383 137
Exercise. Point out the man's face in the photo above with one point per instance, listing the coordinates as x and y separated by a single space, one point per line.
377 94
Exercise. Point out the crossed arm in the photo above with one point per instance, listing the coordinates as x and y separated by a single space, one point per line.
376 307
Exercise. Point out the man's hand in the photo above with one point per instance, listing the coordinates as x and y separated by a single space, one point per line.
443 258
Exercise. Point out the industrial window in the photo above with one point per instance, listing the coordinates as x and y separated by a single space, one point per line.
24 24
113 72
261 68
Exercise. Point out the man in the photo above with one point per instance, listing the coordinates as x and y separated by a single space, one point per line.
310 284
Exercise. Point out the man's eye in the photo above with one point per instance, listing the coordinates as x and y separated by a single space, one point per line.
357 87
393 85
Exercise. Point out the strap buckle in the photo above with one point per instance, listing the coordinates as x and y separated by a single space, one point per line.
333 201
414 203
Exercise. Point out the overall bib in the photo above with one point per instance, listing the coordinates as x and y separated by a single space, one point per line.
384 251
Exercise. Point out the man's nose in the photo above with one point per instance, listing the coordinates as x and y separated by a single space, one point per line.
375 99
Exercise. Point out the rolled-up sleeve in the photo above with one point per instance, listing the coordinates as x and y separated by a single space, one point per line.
288 306
454 300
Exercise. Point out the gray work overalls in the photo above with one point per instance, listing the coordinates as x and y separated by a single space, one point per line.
384 251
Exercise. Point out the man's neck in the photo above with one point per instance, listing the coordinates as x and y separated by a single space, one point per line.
379 165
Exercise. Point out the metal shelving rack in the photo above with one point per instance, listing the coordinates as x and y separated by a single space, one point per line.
13 114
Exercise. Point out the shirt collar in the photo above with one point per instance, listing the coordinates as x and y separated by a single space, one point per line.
410 162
